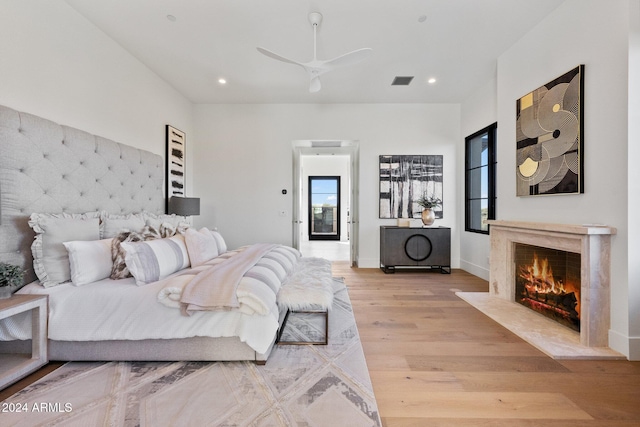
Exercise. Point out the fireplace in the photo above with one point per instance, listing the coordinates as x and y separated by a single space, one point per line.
592 243
547 281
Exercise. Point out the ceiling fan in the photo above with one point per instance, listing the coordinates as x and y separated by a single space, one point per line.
315 68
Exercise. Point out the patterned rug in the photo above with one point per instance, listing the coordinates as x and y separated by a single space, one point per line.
306 385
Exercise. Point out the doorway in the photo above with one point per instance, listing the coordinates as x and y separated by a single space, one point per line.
346 153
324 207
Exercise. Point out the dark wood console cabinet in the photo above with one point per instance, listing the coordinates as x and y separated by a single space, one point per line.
415 247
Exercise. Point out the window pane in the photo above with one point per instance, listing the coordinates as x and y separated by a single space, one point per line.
478 183
479 210
480 178
325 186
478 151
324 192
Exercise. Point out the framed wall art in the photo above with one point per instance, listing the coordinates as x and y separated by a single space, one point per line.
176 162
404 179
549 137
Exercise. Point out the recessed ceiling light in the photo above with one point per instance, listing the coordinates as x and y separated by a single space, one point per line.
222 81
171 18
431 81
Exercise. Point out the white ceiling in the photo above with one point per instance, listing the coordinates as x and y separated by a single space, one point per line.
457 44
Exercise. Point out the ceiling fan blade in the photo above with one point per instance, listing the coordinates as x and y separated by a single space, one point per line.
315 85
278 57
350 58
316 67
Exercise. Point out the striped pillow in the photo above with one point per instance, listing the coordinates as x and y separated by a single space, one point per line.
154 260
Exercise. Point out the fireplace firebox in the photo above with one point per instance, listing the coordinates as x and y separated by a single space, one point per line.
548 281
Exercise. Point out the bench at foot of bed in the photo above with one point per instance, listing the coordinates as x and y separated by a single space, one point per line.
309 290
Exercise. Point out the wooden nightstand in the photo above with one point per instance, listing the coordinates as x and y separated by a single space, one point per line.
16 366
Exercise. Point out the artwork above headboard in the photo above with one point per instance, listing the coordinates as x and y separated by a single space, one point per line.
49 168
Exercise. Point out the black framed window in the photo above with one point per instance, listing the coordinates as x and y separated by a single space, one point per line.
480 179
324 208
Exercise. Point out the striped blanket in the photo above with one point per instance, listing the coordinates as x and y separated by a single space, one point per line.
247 279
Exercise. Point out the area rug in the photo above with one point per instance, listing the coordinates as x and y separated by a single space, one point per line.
300 385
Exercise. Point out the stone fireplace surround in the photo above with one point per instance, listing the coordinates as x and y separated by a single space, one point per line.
593 243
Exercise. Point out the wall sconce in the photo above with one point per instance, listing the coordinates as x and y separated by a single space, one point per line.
184 206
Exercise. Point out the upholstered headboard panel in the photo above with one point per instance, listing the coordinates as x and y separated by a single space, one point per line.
49 168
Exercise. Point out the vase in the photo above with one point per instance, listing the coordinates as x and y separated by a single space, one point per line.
428 217
6 291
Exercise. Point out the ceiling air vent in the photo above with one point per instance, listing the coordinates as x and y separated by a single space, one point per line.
402 81
326 144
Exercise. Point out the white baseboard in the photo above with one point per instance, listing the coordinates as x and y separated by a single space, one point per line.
368 262
474 269
628 346
634 349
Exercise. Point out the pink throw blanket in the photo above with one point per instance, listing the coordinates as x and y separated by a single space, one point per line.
215 288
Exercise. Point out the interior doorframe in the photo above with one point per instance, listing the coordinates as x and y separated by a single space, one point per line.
323 147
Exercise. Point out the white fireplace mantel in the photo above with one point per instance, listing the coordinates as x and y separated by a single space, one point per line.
591 241
554 228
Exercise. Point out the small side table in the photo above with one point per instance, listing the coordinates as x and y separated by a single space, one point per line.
13 367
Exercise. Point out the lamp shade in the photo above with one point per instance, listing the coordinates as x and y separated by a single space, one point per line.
184 206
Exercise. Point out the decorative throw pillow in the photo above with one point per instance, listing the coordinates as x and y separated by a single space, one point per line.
154 260
222 245
201 246
119 268
165 230
176 222
90 261
113 224
50 257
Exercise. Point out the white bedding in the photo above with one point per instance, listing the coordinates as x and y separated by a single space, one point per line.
120 310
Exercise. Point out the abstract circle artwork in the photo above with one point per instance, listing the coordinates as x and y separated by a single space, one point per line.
549 137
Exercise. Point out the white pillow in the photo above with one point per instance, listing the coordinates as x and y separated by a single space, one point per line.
201 246
222 245
50 257
90 261
113 224
154 260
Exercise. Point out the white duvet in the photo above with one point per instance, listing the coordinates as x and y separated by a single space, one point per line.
120 310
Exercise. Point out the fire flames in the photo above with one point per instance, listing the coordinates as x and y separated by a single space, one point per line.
539 279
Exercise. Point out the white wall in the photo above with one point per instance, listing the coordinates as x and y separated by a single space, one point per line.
57 65
594 33
325 165
477 112
634 179
244 160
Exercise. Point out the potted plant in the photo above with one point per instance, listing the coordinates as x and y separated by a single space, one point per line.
10 279
428 203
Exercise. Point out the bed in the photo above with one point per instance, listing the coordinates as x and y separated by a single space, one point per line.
56 181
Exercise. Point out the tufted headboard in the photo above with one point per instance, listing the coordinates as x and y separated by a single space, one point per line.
49 168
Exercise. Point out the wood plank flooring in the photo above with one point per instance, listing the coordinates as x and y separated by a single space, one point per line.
436 361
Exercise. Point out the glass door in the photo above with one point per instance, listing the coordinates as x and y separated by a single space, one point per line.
324 208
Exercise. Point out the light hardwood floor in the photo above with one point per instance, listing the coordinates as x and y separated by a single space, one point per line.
436 361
